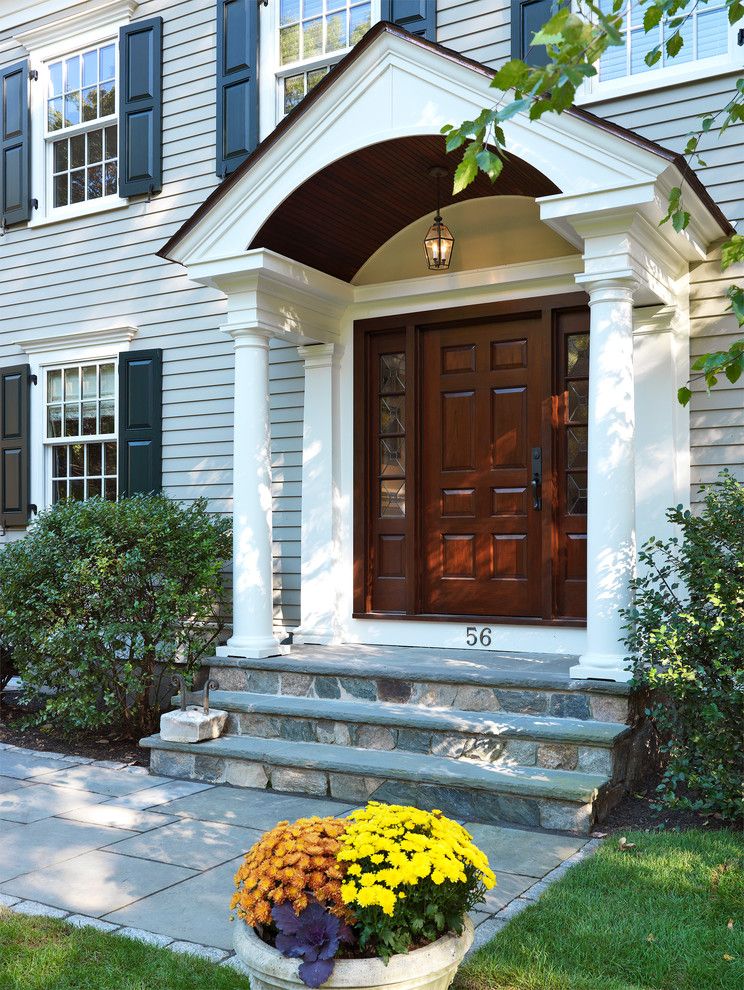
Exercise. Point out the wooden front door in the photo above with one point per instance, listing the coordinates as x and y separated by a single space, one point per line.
485 388
470 463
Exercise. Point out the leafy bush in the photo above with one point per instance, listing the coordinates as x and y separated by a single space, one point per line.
686 637
101 600
7 670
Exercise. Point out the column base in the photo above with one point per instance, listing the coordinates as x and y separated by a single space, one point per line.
253 648
602 667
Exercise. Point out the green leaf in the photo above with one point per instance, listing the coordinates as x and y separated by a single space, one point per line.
736 295
674 44
490 163
734 368
653 56
732 251
691 145
651 17
680 220
735 11
684 395
511 74
465 172
513 108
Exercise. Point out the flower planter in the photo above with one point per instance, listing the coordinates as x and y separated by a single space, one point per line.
430 968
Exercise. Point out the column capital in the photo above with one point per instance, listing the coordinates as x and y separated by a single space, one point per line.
617 286
319 355
248 334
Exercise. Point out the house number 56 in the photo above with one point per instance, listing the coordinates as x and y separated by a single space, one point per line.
474 637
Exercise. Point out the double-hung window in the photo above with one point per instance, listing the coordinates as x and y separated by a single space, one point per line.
312 36
81 126
80 430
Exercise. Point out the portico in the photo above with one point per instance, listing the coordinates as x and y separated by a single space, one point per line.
579 213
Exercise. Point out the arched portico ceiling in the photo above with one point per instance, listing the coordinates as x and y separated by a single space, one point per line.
340 216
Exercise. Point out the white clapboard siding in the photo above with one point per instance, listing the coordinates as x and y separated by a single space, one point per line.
103 270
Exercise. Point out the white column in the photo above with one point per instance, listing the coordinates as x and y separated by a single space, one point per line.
611 549
253 634
318 589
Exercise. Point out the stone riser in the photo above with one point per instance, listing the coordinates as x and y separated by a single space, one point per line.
463 803
488 749
601 707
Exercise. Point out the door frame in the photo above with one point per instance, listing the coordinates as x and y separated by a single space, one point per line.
412 325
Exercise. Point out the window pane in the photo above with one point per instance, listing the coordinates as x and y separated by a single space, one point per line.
90 382
77 151
95 146
577 357
107 99
107 62
289 10
578 401
54 114
336 32
392 414
107 416
59 461
687 53
289 44
311 8
54 386
72 419
360 19
60 190
95 463
55 79
393 457
90 68
312 38
95 182
576 492
314 77
90 425
77 186
72 384
640 45
393 372
77 460
90 103
110 179
54 421
60 155
613 64
72 109
77 490
294 90
59 491
72 74
392 498
94 488
712 30
107 380
111 141
110 489
109 457
576 443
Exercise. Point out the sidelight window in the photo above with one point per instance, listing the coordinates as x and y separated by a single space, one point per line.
392 436
577 430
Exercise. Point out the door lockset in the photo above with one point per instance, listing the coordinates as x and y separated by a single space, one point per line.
537 478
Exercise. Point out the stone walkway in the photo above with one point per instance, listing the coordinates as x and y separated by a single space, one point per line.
153 858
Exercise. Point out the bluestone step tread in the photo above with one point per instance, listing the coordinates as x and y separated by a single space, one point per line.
561 785
498 724
501 670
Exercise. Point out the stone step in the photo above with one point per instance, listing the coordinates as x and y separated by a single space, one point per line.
476 791
527 740
444 682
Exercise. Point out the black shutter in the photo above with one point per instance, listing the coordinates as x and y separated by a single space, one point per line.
237 83
140 422
141 107
14 442
417 16
527 17
15 158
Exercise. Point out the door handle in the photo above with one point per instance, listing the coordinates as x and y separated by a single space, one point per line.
537 478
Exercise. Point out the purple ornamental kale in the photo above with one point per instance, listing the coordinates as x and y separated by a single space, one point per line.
314 935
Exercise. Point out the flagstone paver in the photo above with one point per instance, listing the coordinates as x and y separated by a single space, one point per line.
153 858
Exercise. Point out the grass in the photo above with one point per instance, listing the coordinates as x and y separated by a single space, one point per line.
656 917
46 954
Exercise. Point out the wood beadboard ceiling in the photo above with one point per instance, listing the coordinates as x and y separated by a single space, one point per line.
339 217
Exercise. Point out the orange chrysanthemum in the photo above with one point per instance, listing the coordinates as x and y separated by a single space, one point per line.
288 865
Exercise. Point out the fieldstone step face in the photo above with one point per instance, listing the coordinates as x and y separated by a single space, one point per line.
552 799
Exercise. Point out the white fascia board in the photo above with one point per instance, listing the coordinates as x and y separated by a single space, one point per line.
75 19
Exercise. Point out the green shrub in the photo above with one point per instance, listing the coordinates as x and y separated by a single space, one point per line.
101 600
686 638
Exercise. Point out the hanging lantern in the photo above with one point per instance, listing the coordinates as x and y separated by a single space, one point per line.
439 241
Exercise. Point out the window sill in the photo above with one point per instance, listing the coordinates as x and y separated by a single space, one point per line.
79 210
655 79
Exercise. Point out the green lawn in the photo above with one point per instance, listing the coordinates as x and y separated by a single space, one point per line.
45 954
654 918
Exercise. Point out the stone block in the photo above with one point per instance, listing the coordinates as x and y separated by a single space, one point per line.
358 687
210 769
591 759
350 787
484 748
565 817
448 745
389 689
606 708
192 726
299 780
148 938
296 729
475 699
524 702
470 804
83 921
414 740
520 751
434 695
553 756
39 910
374 737
326 687
172 764
240 773
264 682
231 678
258 724
298 685
207 952
565 705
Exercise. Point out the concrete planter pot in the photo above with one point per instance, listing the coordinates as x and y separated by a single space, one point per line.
430 968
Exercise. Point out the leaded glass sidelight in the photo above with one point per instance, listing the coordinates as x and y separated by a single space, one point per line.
576 432
391 440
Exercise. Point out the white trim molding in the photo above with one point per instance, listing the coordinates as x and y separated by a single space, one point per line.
81 20
78 340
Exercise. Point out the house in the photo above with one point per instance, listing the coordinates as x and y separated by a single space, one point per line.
214 280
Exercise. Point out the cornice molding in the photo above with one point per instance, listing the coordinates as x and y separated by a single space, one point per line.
74 19
77 340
